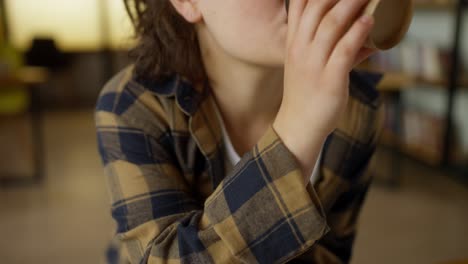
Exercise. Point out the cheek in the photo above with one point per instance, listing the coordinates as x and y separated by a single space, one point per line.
240 15
260 12
245 28
229 21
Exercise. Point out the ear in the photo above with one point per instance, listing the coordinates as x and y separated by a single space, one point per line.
188 9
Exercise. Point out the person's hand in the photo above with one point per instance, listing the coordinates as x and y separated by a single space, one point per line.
325 41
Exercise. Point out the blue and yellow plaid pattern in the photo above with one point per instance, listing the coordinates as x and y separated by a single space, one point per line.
161 146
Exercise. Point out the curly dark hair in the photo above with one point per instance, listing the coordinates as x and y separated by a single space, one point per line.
166 43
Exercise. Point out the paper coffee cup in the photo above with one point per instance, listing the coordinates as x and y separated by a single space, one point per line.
392 20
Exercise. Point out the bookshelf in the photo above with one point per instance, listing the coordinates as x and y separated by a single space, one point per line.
446 5
450 81
395 81
430 157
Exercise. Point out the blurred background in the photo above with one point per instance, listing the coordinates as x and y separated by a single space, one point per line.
55 56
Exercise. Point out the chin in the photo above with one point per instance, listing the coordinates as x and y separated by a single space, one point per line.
273 63
277 59
267 59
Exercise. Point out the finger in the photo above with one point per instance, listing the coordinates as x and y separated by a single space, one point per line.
342 59
313 14
296 8
335 24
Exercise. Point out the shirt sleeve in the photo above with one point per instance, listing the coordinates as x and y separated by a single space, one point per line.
261 211
342 217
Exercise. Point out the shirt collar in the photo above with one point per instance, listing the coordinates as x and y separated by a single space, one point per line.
188 96
198 104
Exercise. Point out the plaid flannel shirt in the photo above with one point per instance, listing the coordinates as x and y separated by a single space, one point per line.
161 146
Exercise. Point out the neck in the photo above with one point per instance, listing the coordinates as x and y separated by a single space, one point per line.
248 96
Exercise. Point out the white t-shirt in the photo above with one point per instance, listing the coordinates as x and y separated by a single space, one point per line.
233 158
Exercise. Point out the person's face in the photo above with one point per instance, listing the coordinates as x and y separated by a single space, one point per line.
253 31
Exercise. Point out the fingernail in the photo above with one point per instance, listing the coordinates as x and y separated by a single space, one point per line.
367 19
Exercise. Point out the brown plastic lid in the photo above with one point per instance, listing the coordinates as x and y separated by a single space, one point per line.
392 21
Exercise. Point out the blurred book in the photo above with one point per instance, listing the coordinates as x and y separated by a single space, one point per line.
424 61
417 133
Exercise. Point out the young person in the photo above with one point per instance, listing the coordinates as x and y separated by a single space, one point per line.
210 140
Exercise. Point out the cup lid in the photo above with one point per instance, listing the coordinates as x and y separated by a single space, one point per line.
392 21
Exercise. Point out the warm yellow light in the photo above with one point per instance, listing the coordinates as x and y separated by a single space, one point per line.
121 29
74 24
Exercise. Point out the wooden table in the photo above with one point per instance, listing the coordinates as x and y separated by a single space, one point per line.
30 78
